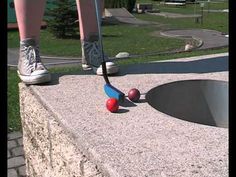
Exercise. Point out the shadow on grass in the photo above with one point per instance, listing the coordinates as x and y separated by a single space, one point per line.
217 64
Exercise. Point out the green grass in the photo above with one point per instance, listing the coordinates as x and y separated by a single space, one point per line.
13 113
116 38
130 38
137 40
192 8
188 8
212 21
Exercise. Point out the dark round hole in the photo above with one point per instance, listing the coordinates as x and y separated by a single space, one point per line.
199 101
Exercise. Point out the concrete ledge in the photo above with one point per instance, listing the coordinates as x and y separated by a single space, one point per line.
50 151
68 132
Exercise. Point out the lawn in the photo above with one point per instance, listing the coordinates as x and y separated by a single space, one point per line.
13 101
188 8
116 38
212 20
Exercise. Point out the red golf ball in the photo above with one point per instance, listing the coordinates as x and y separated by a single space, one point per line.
134 94
112 105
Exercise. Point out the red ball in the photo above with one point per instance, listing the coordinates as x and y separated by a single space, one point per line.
112 105
134 94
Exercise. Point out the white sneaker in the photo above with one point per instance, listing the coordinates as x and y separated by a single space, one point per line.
86 67
112 68
91 53
30 68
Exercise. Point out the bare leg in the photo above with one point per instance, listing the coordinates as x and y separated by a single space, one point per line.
29 14
87 17
88 30
29 17
91 53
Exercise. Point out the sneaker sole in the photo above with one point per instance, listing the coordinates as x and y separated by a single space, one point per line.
39 79
110 70
86 68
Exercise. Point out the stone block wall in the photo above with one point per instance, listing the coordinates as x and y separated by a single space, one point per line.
50 151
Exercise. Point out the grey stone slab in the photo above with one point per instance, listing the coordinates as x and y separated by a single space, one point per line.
8 154
20 141
62 153
11 144
17 151
11 173
14 135
139 140
22 171
16 162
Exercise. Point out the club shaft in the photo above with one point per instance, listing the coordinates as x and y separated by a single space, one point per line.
104 69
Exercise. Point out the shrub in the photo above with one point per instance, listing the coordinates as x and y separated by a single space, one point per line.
60 17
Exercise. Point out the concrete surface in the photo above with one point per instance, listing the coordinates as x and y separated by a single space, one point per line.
15 155
68 118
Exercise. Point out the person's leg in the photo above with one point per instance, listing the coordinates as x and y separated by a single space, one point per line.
29 16
91 53
87 26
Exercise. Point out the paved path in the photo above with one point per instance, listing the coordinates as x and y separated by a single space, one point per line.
175 15
13 55
15 155
210 38
124 16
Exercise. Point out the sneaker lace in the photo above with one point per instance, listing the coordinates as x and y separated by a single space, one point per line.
32 57
93 52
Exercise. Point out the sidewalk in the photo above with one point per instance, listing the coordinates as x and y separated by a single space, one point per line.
15 155
13 55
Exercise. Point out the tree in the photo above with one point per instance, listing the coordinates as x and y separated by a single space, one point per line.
61 16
